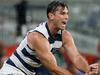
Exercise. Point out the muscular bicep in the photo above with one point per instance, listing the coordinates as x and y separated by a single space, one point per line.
73 53
42 48
44 54
69 45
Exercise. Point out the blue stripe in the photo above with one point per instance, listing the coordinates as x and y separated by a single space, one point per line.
51 40
29 47
39 33
58 37
55 50
29 67
10 62
48 31
27 54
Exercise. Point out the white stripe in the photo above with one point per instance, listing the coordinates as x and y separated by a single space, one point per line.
22 44
20 65
9 70
57 44
30 51
42 29
28 60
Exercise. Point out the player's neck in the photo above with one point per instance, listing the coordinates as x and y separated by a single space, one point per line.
52 29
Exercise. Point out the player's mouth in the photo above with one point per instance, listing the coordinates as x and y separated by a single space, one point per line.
64 22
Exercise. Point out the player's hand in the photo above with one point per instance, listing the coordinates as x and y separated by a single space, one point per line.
93 69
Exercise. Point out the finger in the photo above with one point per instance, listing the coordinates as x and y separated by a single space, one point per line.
95 71
94 65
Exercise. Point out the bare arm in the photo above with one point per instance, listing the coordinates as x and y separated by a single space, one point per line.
72 52
40 44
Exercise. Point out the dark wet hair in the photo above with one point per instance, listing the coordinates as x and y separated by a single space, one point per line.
52 7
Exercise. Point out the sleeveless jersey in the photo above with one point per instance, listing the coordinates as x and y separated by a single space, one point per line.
24 58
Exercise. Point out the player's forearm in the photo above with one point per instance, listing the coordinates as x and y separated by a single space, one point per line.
56 70
61 71
81 64
51 65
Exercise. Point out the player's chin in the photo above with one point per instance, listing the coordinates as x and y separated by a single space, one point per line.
62 27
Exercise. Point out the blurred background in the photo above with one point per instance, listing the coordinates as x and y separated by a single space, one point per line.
19 16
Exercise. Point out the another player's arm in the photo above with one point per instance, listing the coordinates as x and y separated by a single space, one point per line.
40 44
72 52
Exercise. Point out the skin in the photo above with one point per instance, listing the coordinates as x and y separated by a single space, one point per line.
2 53
1 62
56 21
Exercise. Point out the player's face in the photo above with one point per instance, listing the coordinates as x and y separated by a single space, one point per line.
60 18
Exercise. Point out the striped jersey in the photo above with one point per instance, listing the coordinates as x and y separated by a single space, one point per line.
25 59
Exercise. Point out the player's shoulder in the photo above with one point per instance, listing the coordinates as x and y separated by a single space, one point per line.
66 36
66 32
35 36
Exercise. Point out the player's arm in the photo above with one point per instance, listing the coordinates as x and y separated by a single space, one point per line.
40 44
72 52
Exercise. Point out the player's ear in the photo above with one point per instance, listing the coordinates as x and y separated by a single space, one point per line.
51 16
